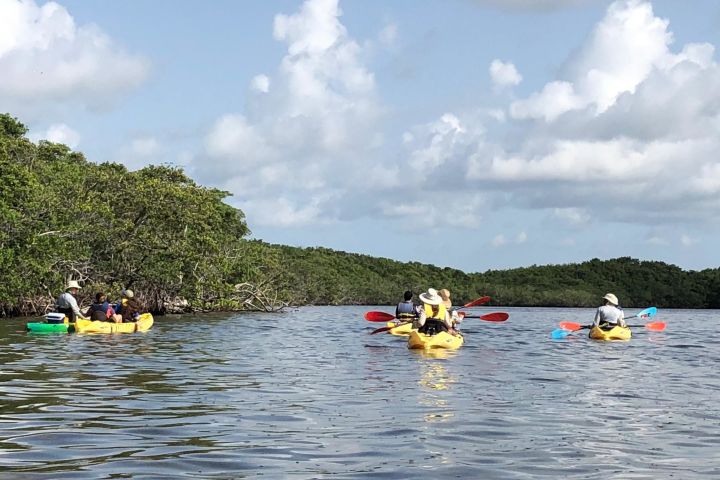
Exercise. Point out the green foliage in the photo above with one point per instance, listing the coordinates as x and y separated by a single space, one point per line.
62 217
170 240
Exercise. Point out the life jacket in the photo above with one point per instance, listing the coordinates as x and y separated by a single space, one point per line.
440 313
100 311
405 311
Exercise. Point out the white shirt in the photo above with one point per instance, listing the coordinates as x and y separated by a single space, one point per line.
66 300
610 314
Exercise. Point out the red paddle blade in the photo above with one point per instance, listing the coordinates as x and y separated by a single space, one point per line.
572 326
655 326
475 303
495 317
379 317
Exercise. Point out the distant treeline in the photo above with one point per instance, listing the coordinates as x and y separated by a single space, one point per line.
180 247
323 276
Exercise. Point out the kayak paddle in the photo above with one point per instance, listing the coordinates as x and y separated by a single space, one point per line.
386 317
491 317
379 317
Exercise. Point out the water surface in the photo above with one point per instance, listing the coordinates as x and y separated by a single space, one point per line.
309 394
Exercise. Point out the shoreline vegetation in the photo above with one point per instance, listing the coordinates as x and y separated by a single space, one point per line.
181 248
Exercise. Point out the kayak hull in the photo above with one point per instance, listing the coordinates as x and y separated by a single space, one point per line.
615 333
445 340
42 327
143 323
402 330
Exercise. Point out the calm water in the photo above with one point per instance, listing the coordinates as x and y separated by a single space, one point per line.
309 394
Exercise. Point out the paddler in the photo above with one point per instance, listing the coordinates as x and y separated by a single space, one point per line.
406 311
609 314
434 317
445 295
67 304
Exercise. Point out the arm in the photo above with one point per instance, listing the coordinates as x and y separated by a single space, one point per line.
421 318
74 305
596 321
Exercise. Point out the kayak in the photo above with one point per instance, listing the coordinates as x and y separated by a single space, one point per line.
402 330
143 323
439 340
54 323
43 327
615 333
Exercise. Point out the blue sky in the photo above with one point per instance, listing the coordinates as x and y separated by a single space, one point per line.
476 134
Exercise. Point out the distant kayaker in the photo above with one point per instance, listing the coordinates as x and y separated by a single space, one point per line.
67 304
406 311
434 317
101 309
609 315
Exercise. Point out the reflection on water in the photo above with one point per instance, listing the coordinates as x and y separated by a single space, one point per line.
309 394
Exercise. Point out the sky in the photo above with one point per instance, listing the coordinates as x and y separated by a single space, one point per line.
473 134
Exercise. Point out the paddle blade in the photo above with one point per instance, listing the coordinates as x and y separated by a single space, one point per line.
655 326
475 303
647 313
559 333
494 317
572 326
379 317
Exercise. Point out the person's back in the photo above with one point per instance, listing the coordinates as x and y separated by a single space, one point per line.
406 310
609 314
100 309
131 308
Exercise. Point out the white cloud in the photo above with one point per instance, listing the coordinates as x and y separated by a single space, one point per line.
504 74
316 127
498 240
260 83
657 240
574 216
59 133
47 59
687 241
388 34
607 140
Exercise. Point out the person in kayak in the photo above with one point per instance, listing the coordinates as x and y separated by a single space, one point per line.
406 311
434 317
131 308
609 314
445 295
101 309
67 304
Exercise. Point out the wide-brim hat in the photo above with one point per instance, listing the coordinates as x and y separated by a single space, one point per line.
128 294
72 284
611 298
431 297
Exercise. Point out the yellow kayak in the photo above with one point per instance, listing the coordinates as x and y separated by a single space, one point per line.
439 340
615 333
144 322
402 330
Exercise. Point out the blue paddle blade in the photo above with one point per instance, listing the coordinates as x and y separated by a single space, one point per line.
559 333
647 313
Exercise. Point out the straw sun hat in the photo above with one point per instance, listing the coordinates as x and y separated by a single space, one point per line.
72 284
611 298
431 297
